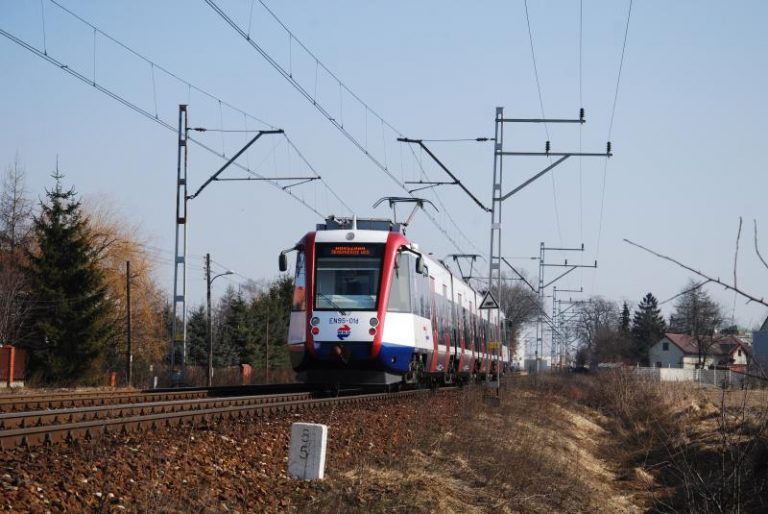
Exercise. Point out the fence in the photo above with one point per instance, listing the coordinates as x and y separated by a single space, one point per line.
714 377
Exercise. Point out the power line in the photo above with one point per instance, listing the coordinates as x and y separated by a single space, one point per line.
154 117
158 66
610 126
543 115
337 122
581 127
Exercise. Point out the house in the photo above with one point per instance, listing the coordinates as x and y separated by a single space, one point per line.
681 351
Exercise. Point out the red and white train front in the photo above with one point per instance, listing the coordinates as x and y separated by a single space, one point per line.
364 309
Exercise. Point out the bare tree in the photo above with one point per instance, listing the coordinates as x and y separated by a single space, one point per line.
520 305
699 316
597 328
15 236
15 210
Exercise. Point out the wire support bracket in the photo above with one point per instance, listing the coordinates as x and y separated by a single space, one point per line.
233 159
456 180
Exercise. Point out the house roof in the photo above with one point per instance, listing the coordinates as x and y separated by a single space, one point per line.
717 346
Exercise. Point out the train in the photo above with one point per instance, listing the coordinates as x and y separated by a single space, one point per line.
370 308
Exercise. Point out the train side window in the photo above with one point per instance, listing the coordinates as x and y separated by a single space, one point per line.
400 289
299 302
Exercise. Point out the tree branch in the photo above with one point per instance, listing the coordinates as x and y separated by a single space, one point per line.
736 255
757 249
699 273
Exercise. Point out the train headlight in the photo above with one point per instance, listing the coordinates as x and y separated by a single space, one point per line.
315 331
372 331
314 321
374 322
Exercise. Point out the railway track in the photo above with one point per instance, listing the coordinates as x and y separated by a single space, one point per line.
70 399
36 428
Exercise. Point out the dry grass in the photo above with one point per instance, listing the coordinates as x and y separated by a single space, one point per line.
534 453
696 449
607 443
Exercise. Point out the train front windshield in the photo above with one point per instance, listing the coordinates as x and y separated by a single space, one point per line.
348 276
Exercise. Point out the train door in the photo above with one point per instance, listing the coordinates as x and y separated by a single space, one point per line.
460 322
435 338
445 326
422 310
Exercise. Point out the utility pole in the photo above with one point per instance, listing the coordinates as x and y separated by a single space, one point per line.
266 364
542 286
179 321
557 340
498 196
129 360
562 321
209 331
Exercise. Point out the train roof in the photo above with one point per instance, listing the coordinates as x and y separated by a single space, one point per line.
379 224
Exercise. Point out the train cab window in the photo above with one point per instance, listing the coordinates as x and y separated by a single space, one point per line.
400 289
421 304
299 302
348 276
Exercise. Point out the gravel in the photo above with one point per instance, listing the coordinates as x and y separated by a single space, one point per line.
231 467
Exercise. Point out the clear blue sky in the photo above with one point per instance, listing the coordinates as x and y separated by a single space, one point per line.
687 135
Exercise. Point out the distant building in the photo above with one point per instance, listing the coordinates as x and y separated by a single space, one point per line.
760 349
681 351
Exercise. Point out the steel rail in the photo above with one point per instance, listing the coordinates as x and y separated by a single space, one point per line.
35 402
87 430
60 400
57 416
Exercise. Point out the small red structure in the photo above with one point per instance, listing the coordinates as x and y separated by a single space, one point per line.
13 366
245 373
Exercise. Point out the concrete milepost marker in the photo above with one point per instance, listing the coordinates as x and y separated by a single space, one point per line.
306 457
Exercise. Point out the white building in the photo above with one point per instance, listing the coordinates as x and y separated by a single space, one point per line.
681 351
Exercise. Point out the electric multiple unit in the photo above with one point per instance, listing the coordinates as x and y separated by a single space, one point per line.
369 308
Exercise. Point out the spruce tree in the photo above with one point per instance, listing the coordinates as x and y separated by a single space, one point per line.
233 330
70 321
648 326
197 338
624 320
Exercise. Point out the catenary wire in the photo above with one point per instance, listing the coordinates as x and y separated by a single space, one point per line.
144 112
313 100
610 126
543 115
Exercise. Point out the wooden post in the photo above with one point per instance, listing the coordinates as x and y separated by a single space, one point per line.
11 364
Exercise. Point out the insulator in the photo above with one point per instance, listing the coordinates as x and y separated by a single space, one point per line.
608 147
581 113
546 147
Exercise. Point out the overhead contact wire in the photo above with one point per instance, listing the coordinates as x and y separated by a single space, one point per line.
313 98
153 66
543 115
610 125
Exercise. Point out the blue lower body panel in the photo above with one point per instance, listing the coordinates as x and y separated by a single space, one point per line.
350 362
395 357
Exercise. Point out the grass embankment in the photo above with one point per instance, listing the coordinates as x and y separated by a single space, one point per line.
610 443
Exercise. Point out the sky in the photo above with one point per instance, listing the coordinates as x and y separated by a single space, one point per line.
687 129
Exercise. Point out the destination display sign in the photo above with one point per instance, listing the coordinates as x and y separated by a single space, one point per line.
349 250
